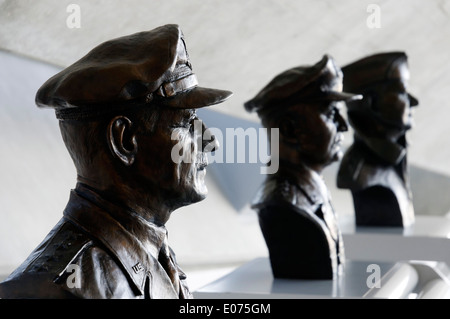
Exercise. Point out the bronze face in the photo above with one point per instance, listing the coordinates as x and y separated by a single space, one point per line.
393 102
172 159
317 129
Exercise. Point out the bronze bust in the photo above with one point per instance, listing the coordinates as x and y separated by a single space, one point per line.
122 108
294 208
375 167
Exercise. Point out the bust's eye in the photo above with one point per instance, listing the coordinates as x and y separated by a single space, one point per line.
331 113
186 125
191 124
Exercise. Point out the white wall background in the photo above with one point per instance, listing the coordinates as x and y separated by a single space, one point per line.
234 44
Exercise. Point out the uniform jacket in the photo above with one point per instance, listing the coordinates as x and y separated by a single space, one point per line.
285 205
99 250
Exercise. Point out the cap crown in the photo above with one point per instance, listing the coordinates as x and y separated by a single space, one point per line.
373 69
105 73
321 81
131 68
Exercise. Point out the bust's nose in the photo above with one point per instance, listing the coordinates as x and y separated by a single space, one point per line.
342 125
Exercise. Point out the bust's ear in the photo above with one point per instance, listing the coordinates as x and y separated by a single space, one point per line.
122 140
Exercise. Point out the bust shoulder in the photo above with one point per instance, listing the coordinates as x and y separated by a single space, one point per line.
286 193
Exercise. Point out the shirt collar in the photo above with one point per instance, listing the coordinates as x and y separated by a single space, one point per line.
304 190
150 235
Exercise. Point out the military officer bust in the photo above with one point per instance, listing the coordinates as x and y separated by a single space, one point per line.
293 205
375 168
121 109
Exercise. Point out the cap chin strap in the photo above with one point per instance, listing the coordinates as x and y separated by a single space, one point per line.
170 89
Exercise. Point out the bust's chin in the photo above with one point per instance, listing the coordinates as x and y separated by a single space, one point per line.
338 156
196 193
200 188
199 194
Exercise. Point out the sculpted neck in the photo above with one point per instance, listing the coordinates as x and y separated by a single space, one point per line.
393 152
291 159
297 171
153 208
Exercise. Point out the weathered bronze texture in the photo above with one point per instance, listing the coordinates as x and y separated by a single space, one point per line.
294 208
375 167
122 109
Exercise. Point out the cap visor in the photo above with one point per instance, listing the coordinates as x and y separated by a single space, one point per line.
197 97
341 96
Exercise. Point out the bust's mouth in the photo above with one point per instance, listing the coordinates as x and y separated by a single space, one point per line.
202 162
339 140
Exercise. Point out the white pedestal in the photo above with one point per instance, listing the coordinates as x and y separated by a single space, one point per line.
427 239
254 280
